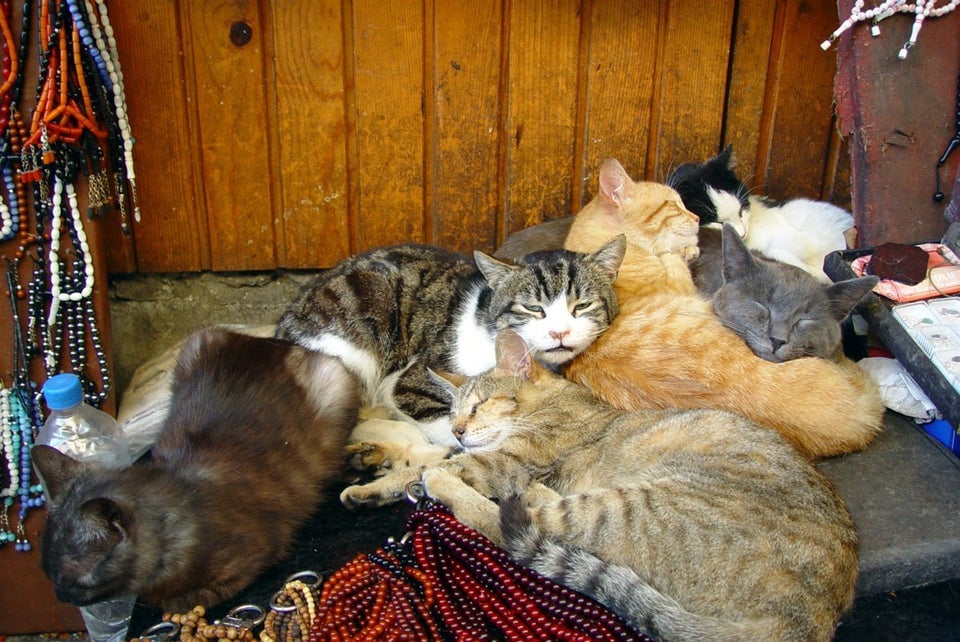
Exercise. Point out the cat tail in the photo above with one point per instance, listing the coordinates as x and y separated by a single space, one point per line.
618 587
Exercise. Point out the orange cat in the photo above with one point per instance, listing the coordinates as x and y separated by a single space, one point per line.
667 348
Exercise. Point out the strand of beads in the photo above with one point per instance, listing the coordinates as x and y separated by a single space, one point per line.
375 597
481 591
112 68
10 443
292 612
9 213
17 441
195 628
921 10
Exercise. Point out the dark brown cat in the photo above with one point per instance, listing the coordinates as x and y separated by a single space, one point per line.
256 430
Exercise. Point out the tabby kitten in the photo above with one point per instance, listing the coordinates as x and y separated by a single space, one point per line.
692 524
256 431
781 311
666 348
393 313
798 231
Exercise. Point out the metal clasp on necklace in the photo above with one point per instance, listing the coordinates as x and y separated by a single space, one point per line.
245 616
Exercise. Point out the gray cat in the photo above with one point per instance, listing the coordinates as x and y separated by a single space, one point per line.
692 524
781 311
393 313
256 430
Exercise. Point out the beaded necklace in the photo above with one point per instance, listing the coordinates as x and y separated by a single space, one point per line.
19 414
921 10
443 581
78 129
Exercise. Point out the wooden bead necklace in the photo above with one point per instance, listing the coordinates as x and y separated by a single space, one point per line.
192 626
292 609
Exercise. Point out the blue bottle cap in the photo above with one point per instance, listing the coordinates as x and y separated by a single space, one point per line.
62 391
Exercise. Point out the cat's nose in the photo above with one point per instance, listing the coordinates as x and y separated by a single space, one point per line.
559 335
458 431
776 343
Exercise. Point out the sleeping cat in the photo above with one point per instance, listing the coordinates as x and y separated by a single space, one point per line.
692 524
256 431
392 313
799 231
667 349
781 311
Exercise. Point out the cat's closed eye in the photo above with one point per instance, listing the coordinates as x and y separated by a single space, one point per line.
759 312
532 310
583 306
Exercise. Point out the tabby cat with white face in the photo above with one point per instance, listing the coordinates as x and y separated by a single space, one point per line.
394 313
692 524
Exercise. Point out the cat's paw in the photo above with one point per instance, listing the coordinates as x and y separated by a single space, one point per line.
368 456
689 252
537 494
440 483
389 489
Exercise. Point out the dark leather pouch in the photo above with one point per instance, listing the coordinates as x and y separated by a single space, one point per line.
899 262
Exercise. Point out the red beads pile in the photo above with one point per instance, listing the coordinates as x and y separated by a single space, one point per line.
449 582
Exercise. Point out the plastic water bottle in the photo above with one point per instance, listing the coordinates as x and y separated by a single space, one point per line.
79 430
91 435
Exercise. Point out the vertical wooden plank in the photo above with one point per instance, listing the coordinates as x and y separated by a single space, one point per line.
233 139
750 61
620 83
688 116
161 107
311 130
541 110
803 110
388 95
466 72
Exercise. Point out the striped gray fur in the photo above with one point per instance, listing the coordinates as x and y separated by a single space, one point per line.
697 524
392 314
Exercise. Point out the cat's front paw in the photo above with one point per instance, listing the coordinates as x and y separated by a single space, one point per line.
689 252
389 489
368 456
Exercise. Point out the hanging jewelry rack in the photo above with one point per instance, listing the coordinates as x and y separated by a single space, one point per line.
67 142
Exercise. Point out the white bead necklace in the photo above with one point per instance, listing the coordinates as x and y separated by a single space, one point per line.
921 10
56 293
107 44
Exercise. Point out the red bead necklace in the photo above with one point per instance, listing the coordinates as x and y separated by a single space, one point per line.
445 581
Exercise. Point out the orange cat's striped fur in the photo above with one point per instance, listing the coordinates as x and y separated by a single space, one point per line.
666 349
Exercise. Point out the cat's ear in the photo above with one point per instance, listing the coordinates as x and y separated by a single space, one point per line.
194 344
55 469
727 157
107 516
614 181
736 256
845 295
609 257
449 381
514 357
493 271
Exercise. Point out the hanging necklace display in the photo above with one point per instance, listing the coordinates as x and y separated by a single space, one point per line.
78 129
921 10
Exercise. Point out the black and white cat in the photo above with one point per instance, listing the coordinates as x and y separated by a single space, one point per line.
799 231
393 314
